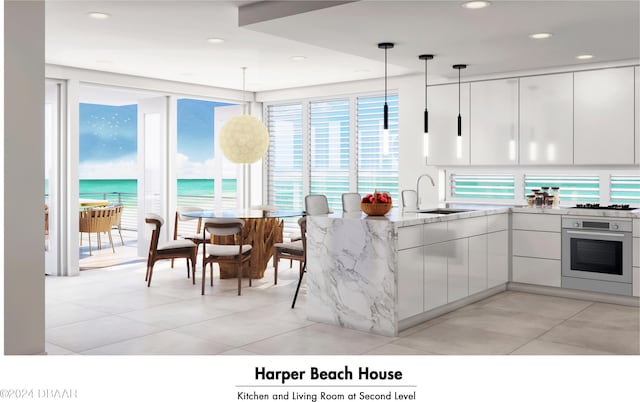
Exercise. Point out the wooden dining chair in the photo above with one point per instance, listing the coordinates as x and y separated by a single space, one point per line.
316 204
303 230
293 251
180 248
236 253
194 236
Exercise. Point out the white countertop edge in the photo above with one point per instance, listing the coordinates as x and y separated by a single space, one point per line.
400 219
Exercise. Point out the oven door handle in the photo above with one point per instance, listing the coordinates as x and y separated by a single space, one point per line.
595 233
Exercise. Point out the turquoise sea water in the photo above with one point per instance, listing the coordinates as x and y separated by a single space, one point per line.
186 187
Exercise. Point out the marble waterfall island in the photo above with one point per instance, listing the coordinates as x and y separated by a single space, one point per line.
351 276
383 274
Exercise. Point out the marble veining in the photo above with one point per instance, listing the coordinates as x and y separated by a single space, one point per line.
351 277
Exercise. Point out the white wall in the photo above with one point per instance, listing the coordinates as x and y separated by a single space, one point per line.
24 316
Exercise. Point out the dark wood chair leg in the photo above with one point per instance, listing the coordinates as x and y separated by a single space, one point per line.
250 273
211 274
204 277
304 269
150 274
276 257
239 277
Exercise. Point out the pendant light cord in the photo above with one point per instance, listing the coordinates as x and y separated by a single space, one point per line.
385 76
425 84
458 92
244 102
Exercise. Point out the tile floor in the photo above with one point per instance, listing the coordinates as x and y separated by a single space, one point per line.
110 311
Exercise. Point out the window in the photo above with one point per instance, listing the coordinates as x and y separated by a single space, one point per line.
329 173
325 133
572 188
485 186
377 153
285 156
625 190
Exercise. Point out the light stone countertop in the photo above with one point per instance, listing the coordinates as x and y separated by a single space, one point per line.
400 218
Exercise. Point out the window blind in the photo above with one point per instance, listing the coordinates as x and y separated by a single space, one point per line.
377 153
625 190
572 188
284 157
329 149
483 186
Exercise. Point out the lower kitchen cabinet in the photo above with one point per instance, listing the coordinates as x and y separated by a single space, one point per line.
458 270
477 264
497 258
435 275
536 271
410 279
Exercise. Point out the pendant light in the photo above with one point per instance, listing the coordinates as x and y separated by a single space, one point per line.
385 46
425 57
244 138
459 67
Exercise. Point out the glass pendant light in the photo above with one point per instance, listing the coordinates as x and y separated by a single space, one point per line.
385 46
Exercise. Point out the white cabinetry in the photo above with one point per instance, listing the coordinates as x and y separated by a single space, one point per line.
410 290
546 120
445 148
637 113
636 257
477 264
494 122
435 275
536 249
604 116
458 270
497 258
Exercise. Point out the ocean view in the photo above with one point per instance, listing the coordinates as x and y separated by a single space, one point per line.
186 187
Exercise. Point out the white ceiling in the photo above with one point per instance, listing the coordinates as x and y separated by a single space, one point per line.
167 40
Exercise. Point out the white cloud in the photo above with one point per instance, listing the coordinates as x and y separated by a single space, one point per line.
123 168
127 168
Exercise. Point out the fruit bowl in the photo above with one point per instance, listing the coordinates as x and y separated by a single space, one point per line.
377 209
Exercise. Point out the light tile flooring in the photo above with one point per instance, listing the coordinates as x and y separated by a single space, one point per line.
111 311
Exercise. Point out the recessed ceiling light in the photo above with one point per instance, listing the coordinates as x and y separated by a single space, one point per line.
584 57
476 4
541 35
298 58
361 70
98 15
215 40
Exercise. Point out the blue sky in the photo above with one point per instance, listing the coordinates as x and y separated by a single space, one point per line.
108 138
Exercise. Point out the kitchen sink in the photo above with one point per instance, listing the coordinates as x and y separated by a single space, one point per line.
444 211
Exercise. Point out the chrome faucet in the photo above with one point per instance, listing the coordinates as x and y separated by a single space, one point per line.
418 186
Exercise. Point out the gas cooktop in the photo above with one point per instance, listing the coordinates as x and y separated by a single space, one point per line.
622 207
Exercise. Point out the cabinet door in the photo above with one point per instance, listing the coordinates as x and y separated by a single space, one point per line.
458 270
546 119
494 122
477 264
497 258
445 147
435 275
637 114
410 280
603 116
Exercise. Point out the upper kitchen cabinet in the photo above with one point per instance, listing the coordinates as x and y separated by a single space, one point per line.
603 117
546 120
445 147
637 103
494 122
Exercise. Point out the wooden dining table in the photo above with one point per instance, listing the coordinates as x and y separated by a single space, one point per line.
262 229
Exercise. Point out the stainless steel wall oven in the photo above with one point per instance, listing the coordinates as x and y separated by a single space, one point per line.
597 255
